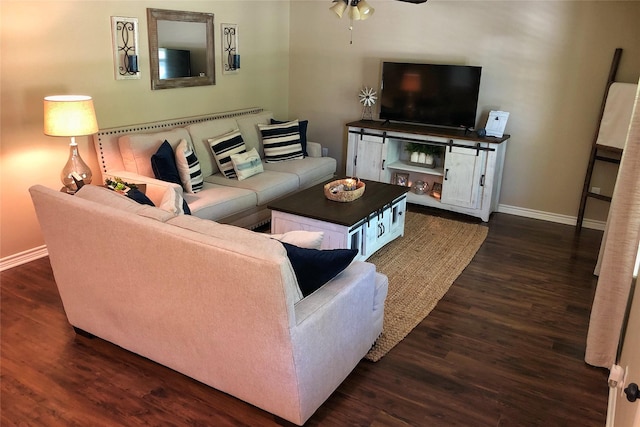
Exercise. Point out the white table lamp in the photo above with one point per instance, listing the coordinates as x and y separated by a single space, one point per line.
71 116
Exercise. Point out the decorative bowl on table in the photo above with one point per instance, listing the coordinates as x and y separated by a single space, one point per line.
344 190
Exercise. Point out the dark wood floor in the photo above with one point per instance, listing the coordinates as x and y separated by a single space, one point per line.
504 347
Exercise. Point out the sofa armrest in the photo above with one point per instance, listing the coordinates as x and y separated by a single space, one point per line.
354 282
314 149
156 188
335 328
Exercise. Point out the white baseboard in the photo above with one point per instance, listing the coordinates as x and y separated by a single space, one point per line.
551 217
23 257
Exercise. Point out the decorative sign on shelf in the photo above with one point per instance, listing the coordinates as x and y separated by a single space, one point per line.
125 47
496 123
230 53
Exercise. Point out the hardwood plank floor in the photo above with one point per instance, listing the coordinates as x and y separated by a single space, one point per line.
504 347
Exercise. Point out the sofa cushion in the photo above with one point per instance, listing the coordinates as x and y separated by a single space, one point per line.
223 146
240 240
247 164
248 126
268 186
281 142
188 167
301 238
200 134
309 170
314 268
163 163
303 133
172 201
139 197
108 197
217 202
164 167
136 149
155 213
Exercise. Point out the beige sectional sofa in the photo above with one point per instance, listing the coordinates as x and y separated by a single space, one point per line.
125 152
216 302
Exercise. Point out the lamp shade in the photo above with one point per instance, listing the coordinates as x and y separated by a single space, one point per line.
339 7
69 115
354 13
365 10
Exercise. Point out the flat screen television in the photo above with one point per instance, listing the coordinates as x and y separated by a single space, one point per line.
174 63
430 94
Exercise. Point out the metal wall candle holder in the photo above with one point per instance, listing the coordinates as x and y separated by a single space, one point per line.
230 54
125 47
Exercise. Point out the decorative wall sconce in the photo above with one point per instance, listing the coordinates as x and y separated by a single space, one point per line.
125 47
230 53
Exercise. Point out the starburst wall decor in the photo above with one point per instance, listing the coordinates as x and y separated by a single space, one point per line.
368 99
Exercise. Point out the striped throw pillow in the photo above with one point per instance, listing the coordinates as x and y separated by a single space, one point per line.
188 167
281 142
223 147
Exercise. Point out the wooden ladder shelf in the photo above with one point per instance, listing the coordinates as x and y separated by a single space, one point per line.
600 152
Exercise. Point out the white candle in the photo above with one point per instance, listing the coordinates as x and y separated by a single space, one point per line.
350 184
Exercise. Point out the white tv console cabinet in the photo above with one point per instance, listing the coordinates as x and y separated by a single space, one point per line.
469 170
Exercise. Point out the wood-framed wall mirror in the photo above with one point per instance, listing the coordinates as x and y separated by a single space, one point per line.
181 48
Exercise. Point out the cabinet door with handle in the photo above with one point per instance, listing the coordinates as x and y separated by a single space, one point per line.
371 157
377 231
463 176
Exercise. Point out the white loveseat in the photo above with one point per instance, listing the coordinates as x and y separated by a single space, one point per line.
216 302
125 152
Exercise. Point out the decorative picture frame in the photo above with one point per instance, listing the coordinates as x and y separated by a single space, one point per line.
401 179
124 32
436 190
230 54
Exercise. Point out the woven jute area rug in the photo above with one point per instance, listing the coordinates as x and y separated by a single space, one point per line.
421 267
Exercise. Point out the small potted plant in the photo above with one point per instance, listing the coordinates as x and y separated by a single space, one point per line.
432 152
118 185
423 154
414 151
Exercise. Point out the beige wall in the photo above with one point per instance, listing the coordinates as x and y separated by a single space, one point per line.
64 47
544 62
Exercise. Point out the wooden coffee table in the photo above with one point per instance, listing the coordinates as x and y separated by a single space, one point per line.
366 224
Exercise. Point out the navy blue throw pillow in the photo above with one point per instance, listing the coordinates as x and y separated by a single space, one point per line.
314 268
303 133
163 163
139 196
